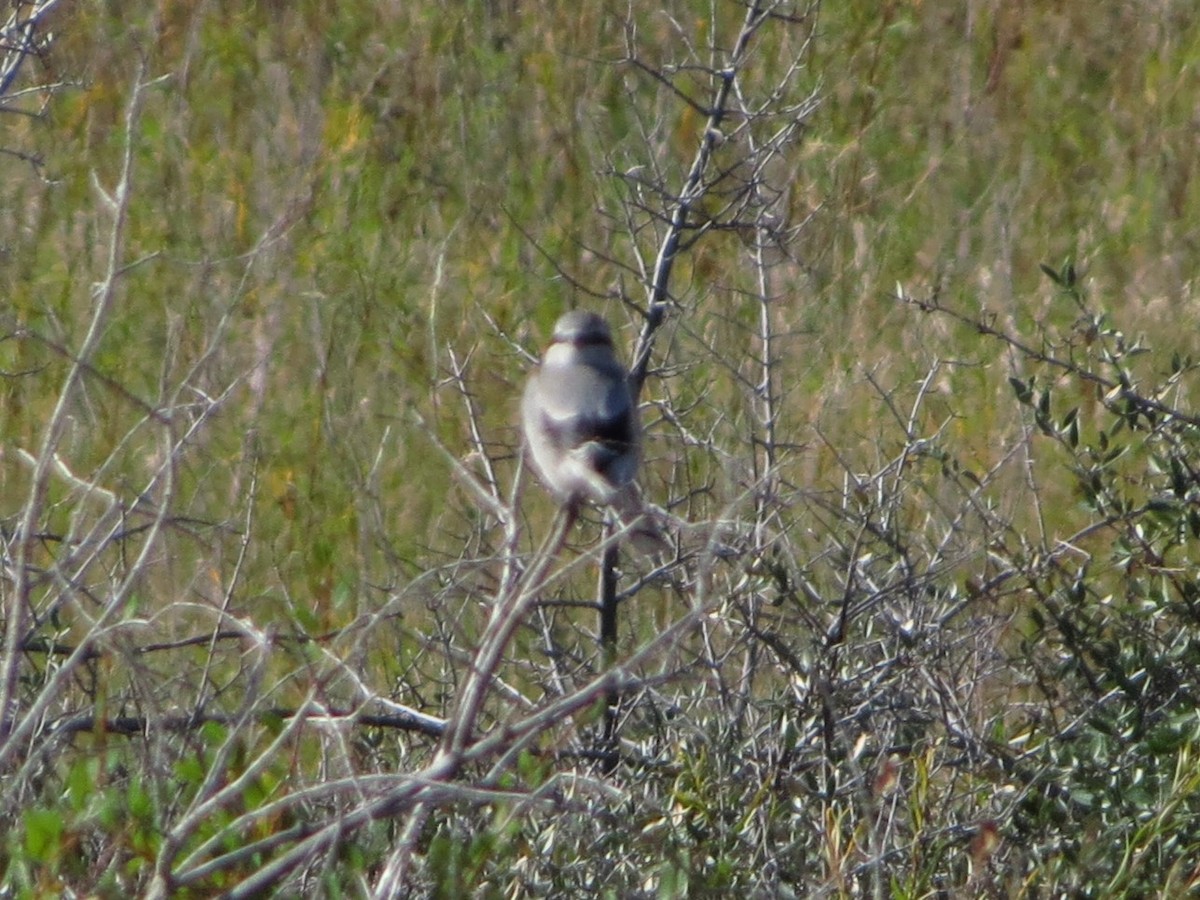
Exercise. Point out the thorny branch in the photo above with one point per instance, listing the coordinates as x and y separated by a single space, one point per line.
680 216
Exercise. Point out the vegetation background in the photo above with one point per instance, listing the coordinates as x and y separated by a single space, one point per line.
919 409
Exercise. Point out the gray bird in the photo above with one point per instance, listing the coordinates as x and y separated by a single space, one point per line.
581 425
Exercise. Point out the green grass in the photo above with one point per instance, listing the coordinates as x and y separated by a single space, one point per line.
330 205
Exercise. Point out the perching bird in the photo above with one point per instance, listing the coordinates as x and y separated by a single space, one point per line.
581 424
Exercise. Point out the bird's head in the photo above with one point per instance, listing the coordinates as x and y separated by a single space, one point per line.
582 336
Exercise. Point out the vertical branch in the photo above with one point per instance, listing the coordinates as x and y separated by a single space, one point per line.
17 603
607 588
506 614
735 182
765 453
509 606
697 183
689 195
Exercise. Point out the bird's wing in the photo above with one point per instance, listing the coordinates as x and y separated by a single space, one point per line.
579 404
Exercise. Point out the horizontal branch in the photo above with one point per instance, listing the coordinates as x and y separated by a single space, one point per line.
56 648
132 726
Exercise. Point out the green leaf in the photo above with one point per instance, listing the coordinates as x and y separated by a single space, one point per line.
81 782
1049 272
190 770
43 834
140 802
1023 390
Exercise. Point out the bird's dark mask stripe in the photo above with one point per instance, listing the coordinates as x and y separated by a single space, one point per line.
589 340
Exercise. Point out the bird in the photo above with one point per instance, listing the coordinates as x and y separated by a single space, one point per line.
581 426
